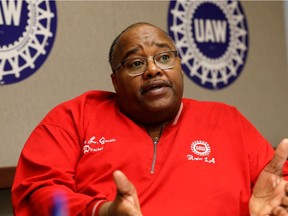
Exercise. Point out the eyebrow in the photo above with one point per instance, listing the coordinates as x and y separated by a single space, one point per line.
163 45
134 50
130 52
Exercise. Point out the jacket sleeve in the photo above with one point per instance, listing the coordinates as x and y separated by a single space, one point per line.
44 182
260 151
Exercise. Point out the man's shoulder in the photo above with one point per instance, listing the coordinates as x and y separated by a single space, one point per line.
209 107
80 105
93 97
207 104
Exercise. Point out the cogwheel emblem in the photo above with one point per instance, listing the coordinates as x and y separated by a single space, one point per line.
200 148
212 40
27 32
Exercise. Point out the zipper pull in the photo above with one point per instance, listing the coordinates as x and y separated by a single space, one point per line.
155 142
156 139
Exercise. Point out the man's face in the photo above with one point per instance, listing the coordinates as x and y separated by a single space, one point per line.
156 91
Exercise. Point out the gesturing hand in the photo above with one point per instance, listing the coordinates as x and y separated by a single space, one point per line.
270 191
126 202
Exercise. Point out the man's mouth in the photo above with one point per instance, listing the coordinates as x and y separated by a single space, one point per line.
154 85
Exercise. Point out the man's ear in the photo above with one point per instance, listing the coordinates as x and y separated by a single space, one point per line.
114 81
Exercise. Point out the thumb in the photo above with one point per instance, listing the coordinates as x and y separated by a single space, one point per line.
125 188
280 157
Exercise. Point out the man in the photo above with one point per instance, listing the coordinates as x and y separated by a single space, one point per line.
167 155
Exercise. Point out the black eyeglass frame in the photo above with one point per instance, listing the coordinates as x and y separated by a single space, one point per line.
122 62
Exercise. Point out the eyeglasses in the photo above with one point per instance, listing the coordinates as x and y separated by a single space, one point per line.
138 66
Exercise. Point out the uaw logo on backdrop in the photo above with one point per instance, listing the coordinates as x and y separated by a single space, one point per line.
212 40
27 32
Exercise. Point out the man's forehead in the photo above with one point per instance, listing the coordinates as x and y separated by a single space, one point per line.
145 35
145 31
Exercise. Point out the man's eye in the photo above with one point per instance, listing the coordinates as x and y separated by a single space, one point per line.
163 58
134 64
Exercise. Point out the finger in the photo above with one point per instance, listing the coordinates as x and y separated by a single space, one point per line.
125 188
123 185
284 202
279 211
280 156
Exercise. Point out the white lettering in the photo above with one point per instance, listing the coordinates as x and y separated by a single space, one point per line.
206 159
201 148
91 141
93 146
190 157
11 12
1 17
102 140
88 148
210 30
220 30
210 161
199 30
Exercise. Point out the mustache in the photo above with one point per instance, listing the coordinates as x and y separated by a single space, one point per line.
155 83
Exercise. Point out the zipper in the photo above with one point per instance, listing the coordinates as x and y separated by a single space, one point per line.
155 142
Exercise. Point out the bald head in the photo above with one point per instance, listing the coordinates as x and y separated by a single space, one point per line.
131 27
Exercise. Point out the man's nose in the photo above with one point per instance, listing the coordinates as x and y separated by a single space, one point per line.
152 69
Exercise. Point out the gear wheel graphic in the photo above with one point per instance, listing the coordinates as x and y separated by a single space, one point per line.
209 71
200 148
22 57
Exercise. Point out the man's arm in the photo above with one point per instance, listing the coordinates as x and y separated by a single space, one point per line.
45 175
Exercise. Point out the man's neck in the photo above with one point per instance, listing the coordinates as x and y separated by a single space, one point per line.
155 131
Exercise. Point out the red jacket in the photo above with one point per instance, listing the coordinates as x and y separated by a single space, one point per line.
206 160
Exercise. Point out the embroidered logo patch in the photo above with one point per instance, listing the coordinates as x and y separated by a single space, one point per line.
200 148
201 151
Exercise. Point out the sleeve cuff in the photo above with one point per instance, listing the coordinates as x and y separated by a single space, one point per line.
96 207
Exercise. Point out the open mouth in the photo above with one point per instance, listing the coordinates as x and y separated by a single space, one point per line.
154 85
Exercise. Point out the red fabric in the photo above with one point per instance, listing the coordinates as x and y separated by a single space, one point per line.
285 171
207 160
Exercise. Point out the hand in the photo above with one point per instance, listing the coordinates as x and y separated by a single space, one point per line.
269 195
282 209
126 202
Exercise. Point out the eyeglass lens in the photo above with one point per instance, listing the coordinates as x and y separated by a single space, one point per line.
138 66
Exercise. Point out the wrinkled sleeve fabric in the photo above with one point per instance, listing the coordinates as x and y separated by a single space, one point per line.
44 182
260 151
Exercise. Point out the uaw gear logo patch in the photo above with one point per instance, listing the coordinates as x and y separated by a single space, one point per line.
212 40
201 152
27 32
